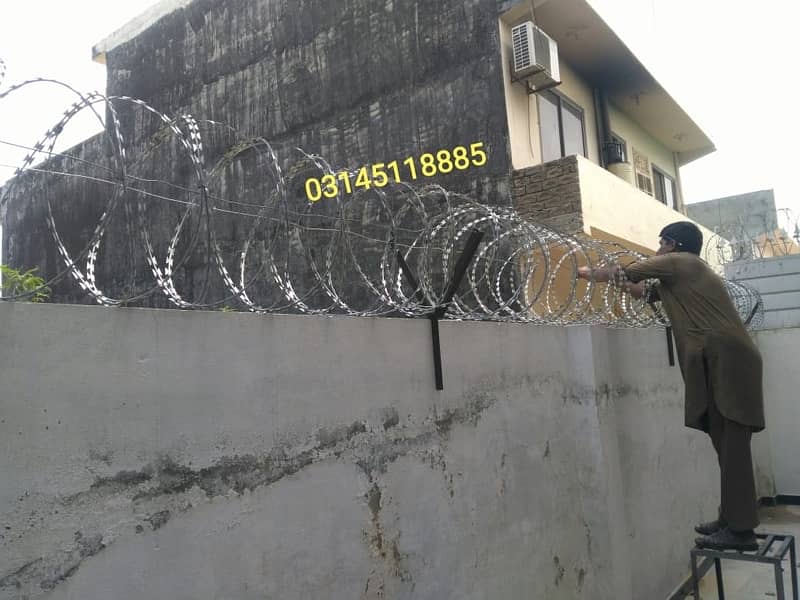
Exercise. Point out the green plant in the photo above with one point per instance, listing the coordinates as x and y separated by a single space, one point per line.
16 283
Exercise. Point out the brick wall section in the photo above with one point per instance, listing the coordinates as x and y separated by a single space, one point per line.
550 194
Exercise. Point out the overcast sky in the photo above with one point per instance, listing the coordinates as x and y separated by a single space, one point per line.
732 69
731 65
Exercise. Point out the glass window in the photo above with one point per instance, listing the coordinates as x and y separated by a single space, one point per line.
572 121
664 188
669 193
623 147
560 127
549 128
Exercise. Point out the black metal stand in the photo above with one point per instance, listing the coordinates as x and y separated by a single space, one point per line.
466 257
772 551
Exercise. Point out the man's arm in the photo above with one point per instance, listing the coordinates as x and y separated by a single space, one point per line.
660 267
601 275
656 267
637 290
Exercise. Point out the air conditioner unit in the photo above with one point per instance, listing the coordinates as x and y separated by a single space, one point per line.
535 56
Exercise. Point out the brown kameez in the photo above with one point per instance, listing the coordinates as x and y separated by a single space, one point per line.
721 369
716 355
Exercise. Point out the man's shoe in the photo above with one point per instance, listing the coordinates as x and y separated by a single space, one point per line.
711 527
727 539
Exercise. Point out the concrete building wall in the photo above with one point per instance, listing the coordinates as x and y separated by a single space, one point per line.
778 281
744 215
523 108
27 241
167 454
782 409
636 137
523 119
579 92
607 197
358 82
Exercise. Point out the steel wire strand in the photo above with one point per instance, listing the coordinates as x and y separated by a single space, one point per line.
339 256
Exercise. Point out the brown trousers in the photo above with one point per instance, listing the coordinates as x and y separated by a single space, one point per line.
738 505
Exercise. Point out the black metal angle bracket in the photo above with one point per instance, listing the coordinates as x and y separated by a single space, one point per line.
434 316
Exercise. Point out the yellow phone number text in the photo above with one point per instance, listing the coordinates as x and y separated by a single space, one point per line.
430 164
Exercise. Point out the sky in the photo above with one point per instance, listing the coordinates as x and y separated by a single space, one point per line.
733 71
731 66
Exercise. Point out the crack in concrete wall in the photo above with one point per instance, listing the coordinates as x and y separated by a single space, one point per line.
52 570
384 548
370 446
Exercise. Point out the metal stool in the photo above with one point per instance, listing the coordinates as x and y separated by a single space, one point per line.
777 543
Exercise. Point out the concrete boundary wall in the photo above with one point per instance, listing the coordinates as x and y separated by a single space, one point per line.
780 444
185 455
778 281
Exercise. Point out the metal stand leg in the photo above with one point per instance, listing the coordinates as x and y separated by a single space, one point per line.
695 578
720 588
779 582
793 569
773 550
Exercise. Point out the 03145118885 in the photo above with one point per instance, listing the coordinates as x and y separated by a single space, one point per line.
380 175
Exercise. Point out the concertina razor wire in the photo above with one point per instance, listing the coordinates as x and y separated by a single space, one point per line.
335 256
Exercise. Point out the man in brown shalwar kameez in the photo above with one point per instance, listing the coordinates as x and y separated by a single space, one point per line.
721 369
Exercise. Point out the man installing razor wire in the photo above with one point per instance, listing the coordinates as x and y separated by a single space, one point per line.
720 364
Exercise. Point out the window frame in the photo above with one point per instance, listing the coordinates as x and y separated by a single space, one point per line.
618 139
660 177
560 100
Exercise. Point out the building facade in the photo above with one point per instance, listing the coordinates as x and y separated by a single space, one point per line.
361 82
599 154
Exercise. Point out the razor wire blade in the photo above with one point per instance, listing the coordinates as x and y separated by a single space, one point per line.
286 254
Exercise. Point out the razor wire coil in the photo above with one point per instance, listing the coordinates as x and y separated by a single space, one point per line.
337 256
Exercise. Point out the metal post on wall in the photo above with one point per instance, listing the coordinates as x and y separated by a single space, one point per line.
437 313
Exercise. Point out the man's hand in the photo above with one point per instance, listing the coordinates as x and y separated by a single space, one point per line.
637 290
599 275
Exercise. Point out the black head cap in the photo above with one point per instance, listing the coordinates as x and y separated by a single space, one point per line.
686 235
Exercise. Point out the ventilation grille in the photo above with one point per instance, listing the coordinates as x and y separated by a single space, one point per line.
644 183
541 45
644 176
521 39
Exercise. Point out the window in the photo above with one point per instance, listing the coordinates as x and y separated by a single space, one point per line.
664 187
643 183
560 126
623 146
641 167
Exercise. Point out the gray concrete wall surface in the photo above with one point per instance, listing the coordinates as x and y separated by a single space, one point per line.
748 215
778 281
186 455
779 348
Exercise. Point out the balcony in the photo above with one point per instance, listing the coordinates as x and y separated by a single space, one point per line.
576 196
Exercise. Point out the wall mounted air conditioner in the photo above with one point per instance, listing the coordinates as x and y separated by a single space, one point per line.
535 56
